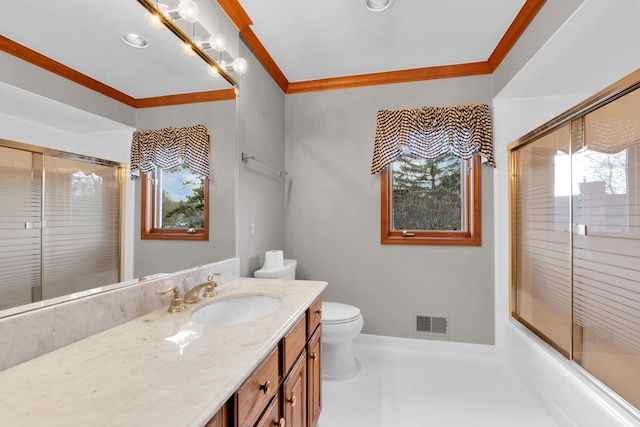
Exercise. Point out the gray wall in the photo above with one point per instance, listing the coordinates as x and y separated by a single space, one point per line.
167 256
332 209
260 191
21 74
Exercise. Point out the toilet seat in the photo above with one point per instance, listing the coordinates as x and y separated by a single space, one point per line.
337 313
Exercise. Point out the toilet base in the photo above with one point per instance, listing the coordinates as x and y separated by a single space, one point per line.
338 362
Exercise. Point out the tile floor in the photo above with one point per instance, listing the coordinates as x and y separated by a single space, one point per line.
410 386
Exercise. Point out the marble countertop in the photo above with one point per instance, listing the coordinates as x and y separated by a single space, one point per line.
160 369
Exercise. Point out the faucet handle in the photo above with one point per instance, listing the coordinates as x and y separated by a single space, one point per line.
209 289
176 304
212 275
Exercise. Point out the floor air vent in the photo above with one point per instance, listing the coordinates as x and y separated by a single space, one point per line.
431 325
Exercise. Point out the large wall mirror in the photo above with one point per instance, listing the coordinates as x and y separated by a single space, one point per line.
71 84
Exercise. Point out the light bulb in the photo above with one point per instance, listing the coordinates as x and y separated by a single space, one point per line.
154 18
187 49
213 71
219 44
240 65
188 10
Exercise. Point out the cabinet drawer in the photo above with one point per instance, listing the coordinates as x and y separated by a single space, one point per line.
293 343
271 416
314 314
252 397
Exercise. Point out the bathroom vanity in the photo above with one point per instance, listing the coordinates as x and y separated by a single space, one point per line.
165 369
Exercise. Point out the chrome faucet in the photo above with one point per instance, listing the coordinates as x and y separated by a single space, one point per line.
193 295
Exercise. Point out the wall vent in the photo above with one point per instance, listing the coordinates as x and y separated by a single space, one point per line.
432 325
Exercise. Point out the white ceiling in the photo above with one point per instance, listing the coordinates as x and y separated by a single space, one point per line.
307 39
315 40
333 38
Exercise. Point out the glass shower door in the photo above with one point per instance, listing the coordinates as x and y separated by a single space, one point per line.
59 224
606 268
20 221
543 238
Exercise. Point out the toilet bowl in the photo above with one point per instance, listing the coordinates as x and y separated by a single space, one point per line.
341 323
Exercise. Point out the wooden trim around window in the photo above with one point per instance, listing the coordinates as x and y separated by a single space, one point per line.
147 224
471 237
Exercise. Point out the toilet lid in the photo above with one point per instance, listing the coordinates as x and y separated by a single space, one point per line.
335 312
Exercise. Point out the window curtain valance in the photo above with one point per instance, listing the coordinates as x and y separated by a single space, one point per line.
164 148
429 132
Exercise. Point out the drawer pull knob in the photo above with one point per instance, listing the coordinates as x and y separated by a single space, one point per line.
319 311
265 387
314 356
292 401
279 423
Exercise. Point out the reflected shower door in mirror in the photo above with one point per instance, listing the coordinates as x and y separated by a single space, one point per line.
59 224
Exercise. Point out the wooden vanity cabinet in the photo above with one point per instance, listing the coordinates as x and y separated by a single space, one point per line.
222 418
257 391
314 376
284 391
294 394
271 416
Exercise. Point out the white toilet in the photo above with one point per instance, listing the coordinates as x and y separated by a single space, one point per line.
341 323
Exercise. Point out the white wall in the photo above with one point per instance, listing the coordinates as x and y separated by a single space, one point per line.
332 210
593 48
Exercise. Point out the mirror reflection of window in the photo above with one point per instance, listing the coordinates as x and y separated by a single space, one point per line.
180 198
175 204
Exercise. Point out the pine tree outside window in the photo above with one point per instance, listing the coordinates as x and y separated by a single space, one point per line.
431 202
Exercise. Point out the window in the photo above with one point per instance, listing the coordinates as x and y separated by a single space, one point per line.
175 204
429 161
431 202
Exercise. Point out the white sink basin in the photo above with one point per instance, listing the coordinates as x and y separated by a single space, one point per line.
238 309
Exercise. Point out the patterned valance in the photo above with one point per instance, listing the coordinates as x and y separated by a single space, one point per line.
429 132
164 148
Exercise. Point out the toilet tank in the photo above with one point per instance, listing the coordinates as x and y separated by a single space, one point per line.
288 271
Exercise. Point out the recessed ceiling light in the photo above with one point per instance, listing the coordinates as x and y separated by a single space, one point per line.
134 40
377 5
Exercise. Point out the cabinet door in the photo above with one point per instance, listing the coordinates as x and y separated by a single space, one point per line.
314 404
294 394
